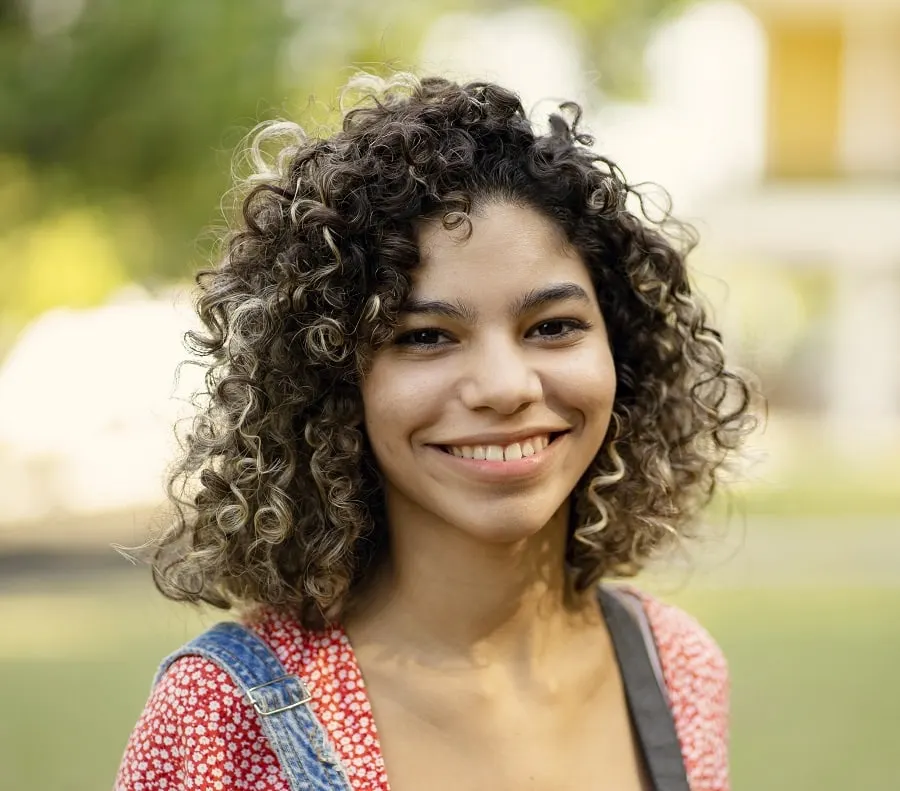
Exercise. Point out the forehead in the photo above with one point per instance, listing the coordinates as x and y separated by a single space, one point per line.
507 248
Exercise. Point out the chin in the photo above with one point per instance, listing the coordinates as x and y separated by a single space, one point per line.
503 526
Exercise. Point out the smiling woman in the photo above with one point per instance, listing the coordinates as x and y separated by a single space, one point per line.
455 388
505 346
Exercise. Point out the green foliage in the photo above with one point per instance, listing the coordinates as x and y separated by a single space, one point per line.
133 100
129 112
616 33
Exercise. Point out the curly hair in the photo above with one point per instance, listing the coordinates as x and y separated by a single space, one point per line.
277 497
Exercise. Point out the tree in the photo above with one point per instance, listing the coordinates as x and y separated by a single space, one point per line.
123 103
134 107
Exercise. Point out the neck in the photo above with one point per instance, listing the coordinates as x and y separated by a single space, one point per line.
445 595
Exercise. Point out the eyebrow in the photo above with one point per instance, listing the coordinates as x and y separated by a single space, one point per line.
537 298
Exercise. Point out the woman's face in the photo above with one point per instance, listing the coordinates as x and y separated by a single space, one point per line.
496 392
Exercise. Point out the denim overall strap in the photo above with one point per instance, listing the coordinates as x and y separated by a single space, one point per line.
650 713
295 735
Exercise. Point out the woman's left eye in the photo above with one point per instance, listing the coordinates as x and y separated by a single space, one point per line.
558 328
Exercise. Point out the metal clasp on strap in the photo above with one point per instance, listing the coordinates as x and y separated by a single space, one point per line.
259 704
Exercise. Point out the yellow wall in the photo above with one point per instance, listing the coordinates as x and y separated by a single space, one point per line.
805 86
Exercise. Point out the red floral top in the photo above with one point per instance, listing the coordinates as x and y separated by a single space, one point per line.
198 732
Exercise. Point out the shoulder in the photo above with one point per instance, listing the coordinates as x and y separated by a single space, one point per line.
198 731
300 650
684 644
696 675
326 662
197 724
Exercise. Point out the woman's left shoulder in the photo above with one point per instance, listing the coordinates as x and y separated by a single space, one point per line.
696 676
682 641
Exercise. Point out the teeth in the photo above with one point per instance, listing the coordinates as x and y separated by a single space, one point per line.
512 452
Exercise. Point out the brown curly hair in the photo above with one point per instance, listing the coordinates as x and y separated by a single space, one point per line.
277 497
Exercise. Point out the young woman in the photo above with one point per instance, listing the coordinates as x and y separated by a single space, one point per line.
454 384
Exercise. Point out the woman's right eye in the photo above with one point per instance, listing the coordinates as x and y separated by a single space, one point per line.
424 337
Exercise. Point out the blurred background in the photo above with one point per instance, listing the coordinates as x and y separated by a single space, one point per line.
775 126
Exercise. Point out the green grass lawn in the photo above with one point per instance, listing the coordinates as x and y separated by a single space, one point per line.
815 687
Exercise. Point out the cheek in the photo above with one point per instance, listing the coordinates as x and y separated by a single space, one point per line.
397 402
587 381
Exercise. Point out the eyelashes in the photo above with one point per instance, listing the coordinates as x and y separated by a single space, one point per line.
429 338
424 337
567 327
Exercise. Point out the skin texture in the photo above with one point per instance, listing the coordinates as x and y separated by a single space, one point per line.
471 643
492 372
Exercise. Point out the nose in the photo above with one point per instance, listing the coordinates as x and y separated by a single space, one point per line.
500 376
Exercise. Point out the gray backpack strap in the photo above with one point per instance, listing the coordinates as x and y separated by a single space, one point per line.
281 700
647 702
636 607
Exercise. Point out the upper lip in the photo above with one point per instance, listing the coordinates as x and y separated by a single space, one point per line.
502 439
